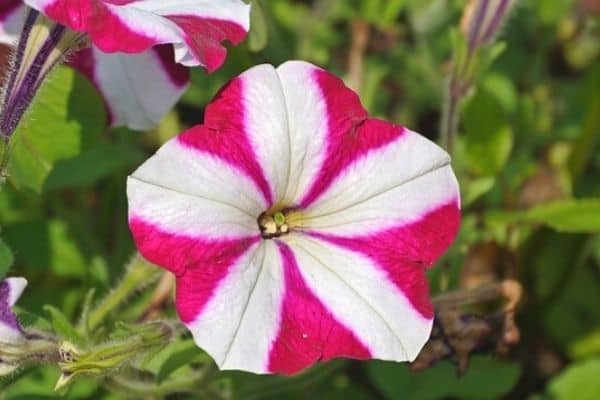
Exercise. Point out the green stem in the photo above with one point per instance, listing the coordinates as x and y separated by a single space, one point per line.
449 123
139 273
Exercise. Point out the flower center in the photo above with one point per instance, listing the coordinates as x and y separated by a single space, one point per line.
273 225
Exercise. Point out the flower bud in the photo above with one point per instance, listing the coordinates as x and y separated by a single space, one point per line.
482 20
105 358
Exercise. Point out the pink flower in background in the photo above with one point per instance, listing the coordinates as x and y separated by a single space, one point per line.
299 229
195 28
139 89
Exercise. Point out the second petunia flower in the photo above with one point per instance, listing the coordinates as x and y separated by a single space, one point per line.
299 229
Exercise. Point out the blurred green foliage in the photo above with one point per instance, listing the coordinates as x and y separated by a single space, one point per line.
527 158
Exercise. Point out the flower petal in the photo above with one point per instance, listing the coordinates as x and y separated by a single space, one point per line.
10 291
138 89
361 295
261 316
237 324
386 187
12 18
404 251
191 193
246 126
195 27
309 331
309 120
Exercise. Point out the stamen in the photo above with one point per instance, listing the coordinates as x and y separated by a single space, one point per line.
273 225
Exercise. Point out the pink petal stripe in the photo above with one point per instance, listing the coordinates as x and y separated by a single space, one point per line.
204 37
224 135
351 134
199 264
308 332
405 252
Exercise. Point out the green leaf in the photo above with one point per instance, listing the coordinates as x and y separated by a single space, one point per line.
489 138
186 354
485 379
476 188
259 32
572 216
66 119
62 326
6 258
391 11
88 167
579 381
586 347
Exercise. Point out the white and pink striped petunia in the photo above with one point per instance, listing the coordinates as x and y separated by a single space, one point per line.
138 89
299 229
196 28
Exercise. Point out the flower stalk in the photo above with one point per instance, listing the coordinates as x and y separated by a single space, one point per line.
474 51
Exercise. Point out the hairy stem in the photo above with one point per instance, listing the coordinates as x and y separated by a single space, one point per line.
139 273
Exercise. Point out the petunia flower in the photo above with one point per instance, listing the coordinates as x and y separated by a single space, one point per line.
299 229
138 89
139 80
196 28
12 336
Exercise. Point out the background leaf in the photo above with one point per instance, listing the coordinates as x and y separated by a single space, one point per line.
66 120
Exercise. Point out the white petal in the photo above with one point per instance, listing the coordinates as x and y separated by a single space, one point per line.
17 286
138 88
307 126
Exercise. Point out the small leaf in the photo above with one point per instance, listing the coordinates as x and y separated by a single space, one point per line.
85 311
187 354
577 382
475 189
259 32
586 347
62 326
572 216
489 138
